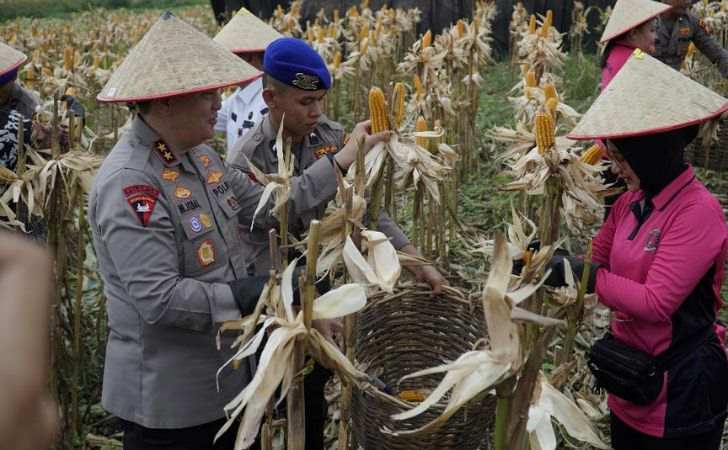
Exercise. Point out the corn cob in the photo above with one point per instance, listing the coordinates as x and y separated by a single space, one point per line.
531 79
419 88
364 32
552 106
377 110
592 155
427 40
544 131
532 25
461 29
412 395
421 125
549 91
398 105
337 60
68 56
547 23
364 46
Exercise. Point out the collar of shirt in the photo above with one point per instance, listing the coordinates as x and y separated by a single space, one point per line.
667 195
248 93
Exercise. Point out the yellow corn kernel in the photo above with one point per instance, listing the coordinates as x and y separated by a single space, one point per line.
427 40
592 155
421 125
398 97
378 110
552 105
532 24
544 131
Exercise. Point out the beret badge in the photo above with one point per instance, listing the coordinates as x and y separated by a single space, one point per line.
306 82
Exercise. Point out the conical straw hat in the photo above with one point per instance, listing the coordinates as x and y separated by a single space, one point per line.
174 58
648 97
629 14
246 33
10 59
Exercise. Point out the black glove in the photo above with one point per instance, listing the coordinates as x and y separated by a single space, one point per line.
534 246
246 292
557 279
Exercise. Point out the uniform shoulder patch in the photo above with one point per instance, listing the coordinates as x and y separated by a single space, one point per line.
142 198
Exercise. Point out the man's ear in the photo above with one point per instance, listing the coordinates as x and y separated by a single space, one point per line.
269 97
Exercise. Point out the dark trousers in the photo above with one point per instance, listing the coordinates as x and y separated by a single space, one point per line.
137 437
625 437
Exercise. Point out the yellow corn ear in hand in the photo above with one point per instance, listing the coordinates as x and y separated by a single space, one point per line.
378 110
427 39
592 155
421 125
544 131
398 97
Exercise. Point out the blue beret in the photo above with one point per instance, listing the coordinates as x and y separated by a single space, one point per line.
293 62
8 77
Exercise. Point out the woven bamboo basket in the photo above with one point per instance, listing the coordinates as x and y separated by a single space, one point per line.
405 332
713 156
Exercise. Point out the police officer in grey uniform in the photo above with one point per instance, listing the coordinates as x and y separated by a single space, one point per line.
295 83
164 216
677 28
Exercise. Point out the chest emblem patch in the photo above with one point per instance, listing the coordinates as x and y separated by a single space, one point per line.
321 151
653 240
205 159
170 175
206 253
214 177
142 198
182 192
205 220
195 224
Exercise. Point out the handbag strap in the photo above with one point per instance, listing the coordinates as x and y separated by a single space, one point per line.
674 354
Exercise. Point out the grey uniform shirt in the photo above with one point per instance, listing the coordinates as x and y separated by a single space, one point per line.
312 187
674 35
165 230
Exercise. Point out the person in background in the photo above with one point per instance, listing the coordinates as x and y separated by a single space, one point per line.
677 28
246 36
658 260
16 105
28 416
295 82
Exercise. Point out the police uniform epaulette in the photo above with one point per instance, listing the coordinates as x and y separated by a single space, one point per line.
252 140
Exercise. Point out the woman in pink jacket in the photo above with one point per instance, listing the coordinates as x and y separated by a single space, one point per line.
658 260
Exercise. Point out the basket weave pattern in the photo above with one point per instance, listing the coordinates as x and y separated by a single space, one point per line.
400 334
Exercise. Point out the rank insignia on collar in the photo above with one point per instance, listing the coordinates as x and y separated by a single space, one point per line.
306 82
182 192
214 177
164 152
170 175
142 198
322 151
205 159
206 221
206 253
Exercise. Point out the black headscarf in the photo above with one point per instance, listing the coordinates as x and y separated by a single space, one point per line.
657 159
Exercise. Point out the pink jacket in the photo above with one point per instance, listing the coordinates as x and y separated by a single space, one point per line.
648 274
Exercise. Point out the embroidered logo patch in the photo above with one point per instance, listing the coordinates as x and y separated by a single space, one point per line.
142 198
206 253
164 152
206 221
195 224
205 159
214 177
182 192
170 175
653 240
322 151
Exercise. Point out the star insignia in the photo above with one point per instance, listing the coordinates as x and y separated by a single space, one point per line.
214 177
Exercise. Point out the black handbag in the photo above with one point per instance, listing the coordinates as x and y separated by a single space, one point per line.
632 374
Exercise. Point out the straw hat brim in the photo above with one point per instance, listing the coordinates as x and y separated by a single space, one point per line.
173 58
10 59
626 17
246 33
641 100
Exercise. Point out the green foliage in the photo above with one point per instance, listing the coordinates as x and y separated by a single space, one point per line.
11 9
